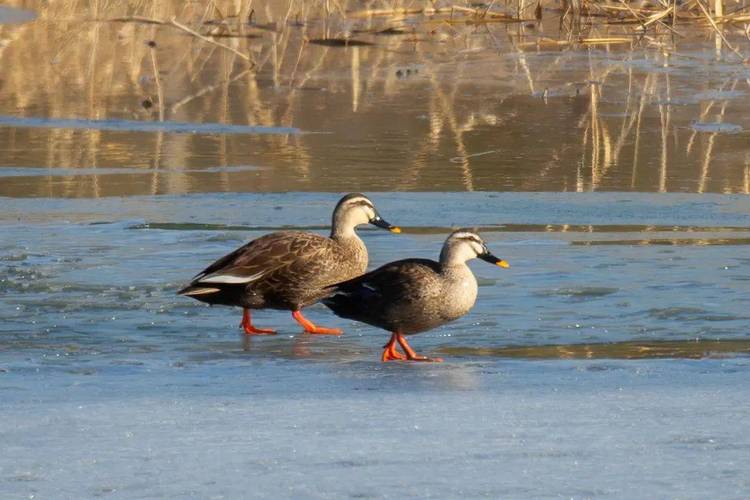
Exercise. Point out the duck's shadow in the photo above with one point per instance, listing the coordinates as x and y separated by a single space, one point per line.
352 360
301 346
283 346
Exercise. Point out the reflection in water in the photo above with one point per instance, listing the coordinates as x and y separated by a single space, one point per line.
281 346
341 352
418 103
691 349
302 346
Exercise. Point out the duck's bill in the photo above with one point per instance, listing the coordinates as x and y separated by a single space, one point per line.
488 257
380 222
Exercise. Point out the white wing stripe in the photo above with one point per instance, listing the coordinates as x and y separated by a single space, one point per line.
229 279
202 291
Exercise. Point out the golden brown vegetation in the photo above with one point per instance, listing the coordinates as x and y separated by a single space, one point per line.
255 62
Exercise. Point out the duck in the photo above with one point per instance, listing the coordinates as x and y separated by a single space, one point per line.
411 296
289 270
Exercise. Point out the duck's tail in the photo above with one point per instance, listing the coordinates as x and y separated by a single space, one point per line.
342 302
339 304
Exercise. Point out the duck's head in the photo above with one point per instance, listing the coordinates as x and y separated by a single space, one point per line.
356 209
463 245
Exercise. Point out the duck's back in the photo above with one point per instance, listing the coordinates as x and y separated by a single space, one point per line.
284 270
320 263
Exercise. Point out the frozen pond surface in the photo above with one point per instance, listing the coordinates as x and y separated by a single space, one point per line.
240 426
113 386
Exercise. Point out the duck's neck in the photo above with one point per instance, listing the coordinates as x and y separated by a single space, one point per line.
455 268
460 284
352 246
453 258
343 232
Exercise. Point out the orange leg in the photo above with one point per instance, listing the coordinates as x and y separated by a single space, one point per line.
390 353
310 327
247 325
410 354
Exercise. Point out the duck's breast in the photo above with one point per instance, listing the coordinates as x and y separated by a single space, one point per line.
459 293
350 260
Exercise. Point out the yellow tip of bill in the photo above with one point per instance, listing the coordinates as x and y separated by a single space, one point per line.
502 263
395 229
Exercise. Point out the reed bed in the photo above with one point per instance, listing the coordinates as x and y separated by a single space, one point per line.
253 62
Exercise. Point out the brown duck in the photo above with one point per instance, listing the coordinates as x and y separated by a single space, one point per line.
289 270
414 295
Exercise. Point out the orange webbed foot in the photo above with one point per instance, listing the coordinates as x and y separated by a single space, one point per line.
310 327
390 353
410 354
249 329
319 330
392 356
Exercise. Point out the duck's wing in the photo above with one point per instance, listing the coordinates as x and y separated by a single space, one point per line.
261 257
392 278
372 296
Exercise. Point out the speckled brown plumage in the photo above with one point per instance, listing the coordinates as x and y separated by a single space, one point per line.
290 269
294 266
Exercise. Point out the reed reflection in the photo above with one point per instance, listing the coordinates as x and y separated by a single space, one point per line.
448 100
